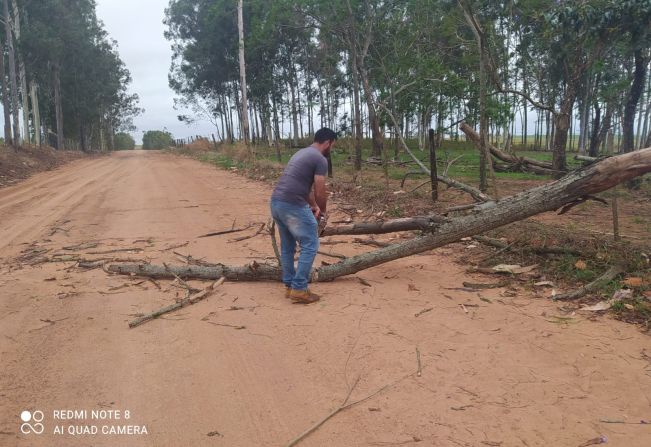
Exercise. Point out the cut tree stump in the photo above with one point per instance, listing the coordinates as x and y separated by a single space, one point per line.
592 179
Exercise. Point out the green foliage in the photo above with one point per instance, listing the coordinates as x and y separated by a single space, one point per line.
124 142
418 57
157 139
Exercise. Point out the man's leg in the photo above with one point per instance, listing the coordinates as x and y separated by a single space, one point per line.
287 243
304 230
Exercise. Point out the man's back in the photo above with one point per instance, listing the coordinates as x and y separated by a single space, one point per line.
296 182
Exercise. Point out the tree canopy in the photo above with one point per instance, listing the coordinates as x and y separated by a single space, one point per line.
399 68
157 139
73 85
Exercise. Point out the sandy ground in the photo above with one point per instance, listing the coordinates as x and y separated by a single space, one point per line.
504 373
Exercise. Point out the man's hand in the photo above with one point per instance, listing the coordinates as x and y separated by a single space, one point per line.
316 211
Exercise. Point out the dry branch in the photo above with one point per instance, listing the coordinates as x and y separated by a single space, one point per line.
243 238
250 272
474 192
219 233
185 302
528 164
344 406
589 180
604 279
274 243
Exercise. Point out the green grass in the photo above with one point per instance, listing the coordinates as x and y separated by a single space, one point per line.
465 167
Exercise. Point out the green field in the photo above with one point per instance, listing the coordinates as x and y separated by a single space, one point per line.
465 153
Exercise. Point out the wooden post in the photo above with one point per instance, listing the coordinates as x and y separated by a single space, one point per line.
329 158
615 210
432 165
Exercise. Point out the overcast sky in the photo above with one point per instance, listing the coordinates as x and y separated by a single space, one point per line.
138 28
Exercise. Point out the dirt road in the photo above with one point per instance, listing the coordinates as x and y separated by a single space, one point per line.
246 367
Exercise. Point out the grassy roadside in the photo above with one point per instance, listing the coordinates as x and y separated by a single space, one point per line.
591 253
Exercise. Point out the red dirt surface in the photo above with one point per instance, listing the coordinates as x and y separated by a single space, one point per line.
499 371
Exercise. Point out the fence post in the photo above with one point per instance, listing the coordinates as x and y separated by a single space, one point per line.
432 165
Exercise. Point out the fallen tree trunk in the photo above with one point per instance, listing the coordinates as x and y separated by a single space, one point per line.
537 166
589 180
250 272
425 223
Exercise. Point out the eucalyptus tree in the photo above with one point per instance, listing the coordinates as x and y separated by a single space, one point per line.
82 78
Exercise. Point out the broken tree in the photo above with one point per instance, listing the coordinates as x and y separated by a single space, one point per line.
441 231
513 161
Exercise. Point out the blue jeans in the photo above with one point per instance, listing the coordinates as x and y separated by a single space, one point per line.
296 223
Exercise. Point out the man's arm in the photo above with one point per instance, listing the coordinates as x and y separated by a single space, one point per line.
320 195
310 199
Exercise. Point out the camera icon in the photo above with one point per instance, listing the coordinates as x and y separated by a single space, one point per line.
32 422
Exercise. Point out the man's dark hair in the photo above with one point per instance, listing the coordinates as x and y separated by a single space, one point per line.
325 134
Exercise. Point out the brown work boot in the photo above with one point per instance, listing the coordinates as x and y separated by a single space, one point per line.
303 296
287 290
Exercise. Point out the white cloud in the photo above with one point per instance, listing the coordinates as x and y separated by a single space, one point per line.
138 28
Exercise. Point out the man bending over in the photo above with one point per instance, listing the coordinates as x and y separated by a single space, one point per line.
298 203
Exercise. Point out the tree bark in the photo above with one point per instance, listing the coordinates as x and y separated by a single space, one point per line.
590 180
423 223
22 75
245 113
628 121
561 127
58 106
357 114
33 88
5 97
602 132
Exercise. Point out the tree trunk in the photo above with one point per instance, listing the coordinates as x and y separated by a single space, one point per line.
58 106
22 75
37 113
628 121
433 140
357 113
423 223
602 133
5 97
590 180
374 122
561 127
12 73
244 112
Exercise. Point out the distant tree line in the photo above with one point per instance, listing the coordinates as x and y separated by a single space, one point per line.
389 69
63 82
157 139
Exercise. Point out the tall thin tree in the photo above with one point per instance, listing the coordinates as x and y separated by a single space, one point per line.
245 113
12 72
